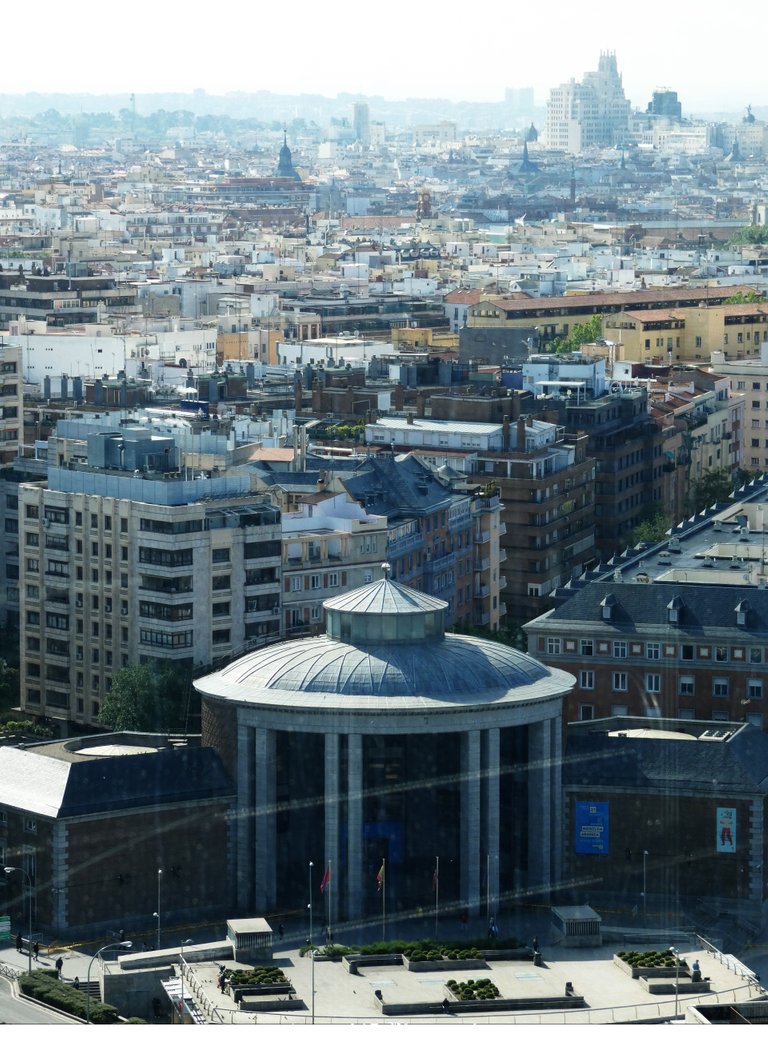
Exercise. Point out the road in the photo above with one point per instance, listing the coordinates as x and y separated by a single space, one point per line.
19 1012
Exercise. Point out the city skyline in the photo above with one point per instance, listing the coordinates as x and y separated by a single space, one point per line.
413 52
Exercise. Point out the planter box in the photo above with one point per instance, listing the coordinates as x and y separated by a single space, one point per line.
444 964
353 961
650 972
685 987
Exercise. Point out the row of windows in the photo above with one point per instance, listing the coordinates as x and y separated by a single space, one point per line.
686 685
620 648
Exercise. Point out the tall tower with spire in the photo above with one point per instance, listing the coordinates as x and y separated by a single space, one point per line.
285 166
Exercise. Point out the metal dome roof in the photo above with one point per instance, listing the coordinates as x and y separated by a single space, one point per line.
324 672
385 597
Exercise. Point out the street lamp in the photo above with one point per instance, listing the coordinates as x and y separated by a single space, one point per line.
10 870
676 953
645 888
157 912
309 904
110 946
186 942
312 981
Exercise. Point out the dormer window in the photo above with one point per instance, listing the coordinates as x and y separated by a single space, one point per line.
607 606
674 609
742 609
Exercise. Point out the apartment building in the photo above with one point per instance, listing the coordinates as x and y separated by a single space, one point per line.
11 402
60 300
748 378
672 335
139 547
330 545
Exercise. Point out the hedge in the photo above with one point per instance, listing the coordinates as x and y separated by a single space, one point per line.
45 987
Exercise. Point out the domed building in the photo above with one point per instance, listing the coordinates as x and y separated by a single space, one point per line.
388 739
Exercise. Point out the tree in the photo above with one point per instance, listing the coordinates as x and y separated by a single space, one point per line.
746 297
154 698
588 332
653 528
751 235
713 487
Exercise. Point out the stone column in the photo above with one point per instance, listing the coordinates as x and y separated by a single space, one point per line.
264 823
539 808
492 816
556 756
245 843
470 821
354 826
331 842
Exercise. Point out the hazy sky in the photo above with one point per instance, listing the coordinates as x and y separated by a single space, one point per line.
399 48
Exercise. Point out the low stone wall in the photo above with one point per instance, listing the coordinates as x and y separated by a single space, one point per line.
684 987
262 1004
444 964
353 961
457 1007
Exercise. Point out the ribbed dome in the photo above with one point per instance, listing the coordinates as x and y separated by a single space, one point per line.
455 669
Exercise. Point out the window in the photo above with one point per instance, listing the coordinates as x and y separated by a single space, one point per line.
220 582
586 712
30 825
333 579
553 645
755 654
220 556
719 687
721 653
620 649
620 682
686 652
653 651
755 689
653 682
586 680
297 584
719 716
686 686
316 581
587 648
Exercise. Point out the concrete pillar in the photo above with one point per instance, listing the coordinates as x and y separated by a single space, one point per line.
264 823
331 896
539 808
245 864
354 826
492 817
556 772
470 821
756 866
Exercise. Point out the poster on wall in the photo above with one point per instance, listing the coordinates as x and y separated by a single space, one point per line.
592 828
725 837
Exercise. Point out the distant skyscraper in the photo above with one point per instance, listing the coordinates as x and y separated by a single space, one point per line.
590 114
362 123
665 103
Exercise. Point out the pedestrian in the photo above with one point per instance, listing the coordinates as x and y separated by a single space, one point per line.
76 983
36 951
18 943
59 965
281 931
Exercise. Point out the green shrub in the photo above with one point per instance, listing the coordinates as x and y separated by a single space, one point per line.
45 987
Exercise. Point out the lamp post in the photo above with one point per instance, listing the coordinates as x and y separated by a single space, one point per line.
110 946
309 904
10 870
186 942
676 953
645 888
312 962
157 912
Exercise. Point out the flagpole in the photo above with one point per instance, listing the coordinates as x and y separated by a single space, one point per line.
437 889
488 886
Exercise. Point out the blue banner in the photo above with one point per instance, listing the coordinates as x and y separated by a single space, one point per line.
592 828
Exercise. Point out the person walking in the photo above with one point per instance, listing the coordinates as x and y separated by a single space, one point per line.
36 951
59 965
18 943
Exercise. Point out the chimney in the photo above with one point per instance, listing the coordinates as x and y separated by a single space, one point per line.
521 434
420 405
409 420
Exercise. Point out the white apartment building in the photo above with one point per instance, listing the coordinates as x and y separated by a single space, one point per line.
591 114
142 546
749 377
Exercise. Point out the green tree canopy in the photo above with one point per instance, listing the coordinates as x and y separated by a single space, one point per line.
150 698
652 529
746 297
751 235
587 332
712 487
